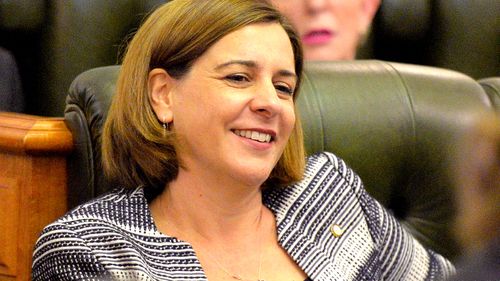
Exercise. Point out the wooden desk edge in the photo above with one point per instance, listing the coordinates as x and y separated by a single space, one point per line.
34 135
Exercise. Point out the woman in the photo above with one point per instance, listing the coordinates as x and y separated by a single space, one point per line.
330 29
204 137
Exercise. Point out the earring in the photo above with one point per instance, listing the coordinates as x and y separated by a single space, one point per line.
165 126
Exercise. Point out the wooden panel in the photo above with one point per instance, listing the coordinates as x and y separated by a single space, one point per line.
47 201
33 179
9 212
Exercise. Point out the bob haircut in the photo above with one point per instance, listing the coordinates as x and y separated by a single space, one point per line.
136 150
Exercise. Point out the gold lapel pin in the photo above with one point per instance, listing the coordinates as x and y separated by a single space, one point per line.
336 230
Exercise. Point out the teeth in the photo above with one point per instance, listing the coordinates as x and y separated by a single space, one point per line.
254 135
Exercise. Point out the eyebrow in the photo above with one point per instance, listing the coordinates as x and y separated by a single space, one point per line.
252 64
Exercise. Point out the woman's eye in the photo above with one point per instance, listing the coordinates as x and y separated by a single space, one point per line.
237 78
284 89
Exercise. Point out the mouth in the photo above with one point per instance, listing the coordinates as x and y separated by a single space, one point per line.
254 135
317 37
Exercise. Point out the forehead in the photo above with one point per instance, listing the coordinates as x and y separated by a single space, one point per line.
267 44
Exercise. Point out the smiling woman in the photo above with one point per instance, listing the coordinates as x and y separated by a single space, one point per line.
168 52
204 145
233 86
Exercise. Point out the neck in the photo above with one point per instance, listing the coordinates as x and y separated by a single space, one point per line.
225 223
213 210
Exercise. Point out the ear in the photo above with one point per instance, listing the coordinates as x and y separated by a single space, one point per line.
369 9
160 85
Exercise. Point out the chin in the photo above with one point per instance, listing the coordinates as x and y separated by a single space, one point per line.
251 177
250 171
328 53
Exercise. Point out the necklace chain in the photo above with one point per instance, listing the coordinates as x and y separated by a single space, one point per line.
233 275
237 276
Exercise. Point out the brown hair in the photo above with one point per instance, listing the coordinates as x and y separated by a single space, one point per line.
135 150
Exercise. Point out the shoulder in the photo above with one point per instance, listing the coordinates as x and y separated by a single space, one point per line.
6 56
67 247
62 254
110 237
327 161
115 213
326 178
325 170
125 207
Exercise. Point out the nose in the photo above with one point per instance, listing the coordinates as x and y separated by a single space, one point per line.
315 6
266 102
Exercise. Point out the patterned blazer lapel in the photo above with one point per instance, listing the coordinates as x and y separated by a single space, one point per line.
321 223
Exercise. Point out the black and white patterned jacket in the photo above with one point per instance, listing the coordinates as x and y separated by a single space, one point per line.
114 238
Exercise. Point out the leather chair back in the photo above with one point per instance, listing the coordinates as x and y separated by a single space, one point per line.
491 86
392 123
452 34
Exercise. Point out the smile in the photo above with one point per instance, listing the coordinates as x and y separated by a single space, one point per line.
254 135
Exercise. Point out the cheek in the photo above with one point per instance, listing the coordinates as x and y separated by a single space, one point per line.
350 21
190 113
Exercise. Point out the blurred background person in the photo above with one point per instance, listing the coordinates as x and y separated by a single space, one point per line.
330 29
11 95
478 202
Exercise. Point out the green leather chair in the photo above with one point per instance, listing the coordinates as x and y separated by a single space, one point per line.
491 86
393 123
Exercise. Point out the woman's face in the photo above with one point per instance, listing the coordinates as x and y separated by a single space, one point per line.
233 112
329 29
